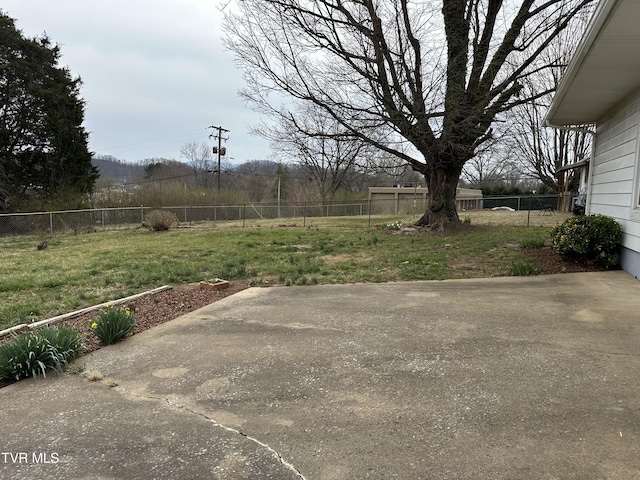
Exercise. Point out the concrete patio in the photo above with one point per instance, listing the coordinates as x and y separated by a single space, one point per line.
502 378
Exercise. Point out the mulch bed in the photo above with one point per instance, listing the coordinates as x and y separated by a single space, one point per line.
152 310
155 309
550 262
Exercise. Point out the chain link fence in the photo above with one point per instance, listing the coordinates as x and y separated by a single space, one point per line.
516 211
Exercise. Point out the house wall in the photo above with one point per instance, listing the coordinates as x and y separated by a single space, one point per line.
614 186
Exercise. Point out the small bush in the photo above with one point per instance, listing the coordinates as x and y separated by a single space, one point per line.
588 238
160 220
33 353
113 324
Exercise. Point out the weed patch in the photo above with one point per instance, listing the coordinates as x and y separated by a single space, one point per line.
532 243
524 269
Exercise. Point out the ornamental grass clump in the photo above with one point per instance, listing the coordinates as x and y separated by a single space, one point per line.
34 353
593 238
160 220
113 324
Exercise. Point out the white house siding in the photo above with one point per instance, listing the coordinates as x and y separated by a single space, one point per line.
615 176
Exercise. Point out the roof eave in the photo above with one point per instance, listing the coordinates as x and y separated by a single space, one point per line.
599 19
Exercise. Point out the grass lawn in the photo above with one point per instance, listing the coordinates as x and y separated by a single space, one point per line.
76 271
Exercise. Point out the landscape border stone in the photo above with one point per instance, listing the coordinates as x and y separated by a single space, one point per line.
66 316
215 284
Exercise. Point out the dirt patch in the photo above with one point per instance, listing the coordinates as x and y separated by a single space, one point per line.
333 259
550 262
152 310
459 228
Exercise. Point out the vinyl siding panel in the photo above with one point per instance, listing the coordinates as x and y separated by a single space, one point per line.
614 169
615 211
611 176
613 188
620 138
624 120
620 157
631 239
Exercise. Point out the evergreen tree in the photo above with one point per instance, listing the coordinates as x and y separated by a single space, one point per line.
43 145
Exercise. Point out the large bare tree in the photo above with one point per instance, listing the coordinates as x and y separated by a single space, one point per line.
436 73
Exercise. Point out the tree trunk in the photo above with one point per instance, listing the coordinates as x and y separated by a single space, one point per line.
441 197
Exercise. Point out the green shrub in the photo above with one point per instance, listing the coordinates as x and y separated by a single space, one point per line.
160 220
113 324
588 238
33 353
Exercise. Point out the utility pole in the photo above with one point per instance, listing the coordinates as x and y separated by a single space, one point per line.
218 149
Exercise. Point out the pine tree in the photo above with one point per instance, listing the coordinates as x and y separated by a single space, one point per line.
43 145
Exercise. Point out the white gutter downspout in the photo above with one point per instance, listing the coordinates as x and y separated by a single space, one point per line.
587 208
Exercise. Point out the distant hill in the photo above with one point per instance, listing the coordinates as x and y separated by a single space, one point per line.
119 171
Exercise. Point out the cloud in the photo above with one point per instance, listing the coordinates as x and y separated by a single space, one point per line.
155 74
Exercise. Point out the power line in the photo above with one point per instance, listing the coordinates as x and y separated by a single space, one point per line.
159 145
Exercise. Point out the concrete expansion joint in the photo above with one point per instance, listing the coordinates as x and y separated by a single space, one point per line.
178 406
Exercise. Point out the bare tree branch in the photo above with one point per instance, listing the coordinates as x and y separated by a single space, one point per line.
436 74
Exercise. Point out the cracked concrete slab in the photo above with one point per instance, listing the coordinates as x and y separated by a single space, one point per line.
505 378
95 430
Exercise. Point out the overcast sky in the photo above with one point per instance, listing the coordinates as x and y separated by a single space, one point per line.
155 74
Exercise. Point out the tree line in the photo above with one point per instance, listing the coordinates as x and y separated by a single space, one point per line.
254 181
441 93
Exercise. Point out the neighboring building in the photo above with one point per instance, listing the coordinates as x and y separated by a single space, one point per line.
408 199
601 87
